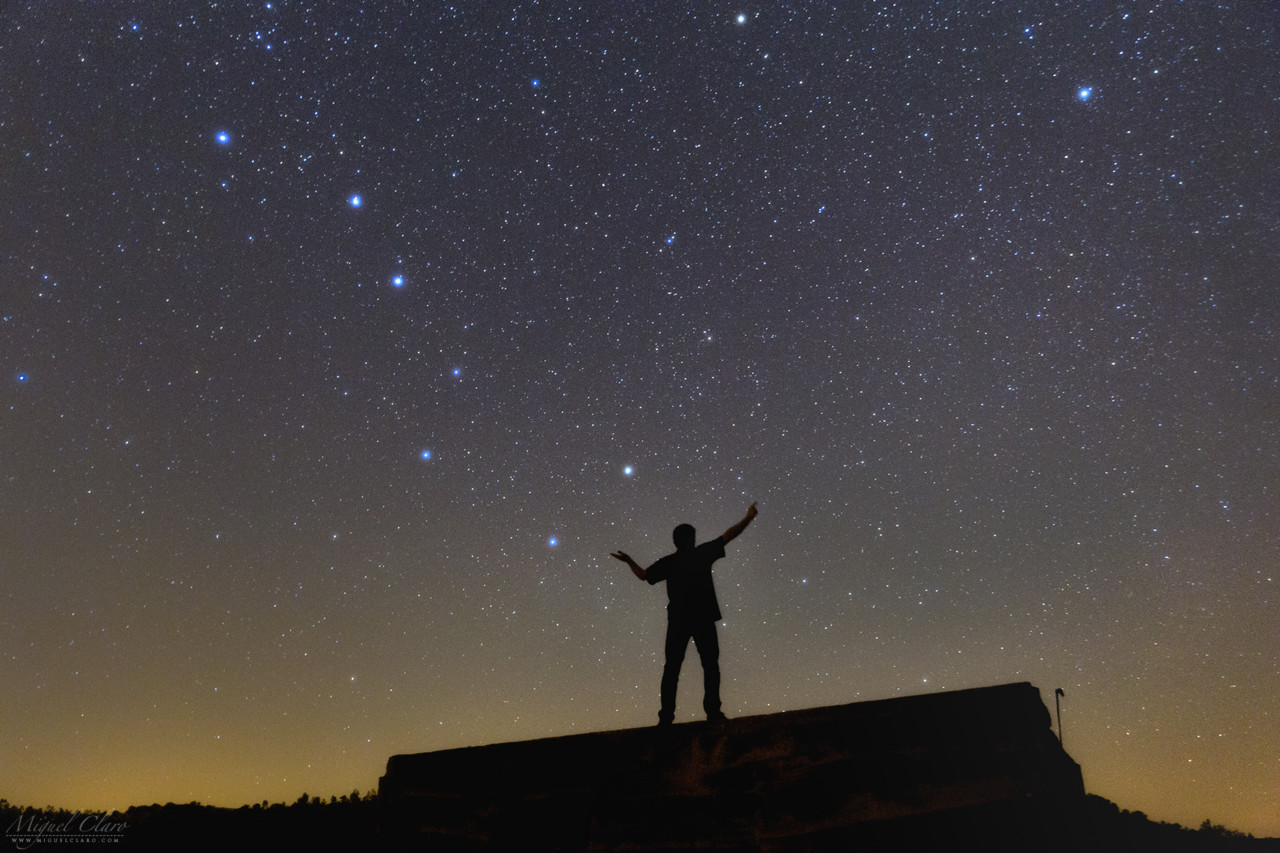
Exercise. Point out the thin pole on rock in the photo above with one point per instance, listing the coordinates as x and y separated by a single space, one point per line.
1058 707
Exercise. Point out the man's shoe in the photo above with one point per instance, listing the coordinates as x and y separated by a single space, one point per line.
717 717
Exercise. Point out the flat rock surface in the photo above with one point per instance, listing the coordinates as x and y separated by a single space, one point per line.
921 767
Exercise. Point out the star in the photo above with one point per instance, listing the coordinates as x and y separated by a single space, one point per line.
397 281
425 455
627 470
22 377
1085 93
553 542
223 138
355 200
742 19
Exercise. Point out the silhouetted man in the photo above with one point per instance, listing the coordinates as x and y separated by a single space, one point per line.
692 611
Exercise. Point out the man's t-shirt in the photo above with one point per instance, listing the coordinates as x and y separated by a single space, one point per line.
690 593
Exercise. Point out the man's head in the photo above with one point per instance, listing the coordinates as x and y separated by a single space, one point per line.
683 536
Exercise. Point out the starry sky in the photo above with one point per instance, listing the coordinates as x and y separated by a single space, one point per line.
342 343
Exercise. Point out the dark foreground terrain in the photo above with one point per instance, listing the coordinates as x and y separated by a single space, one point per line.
980 768
352 824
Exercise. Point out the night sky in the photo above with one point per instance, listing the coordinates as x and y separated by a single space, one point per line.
342 343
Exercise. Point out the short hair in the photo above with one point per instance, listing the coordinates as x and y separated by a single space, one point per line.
683 536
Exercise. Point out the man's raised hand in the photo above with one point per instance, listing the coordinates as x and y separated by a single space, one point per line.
626 558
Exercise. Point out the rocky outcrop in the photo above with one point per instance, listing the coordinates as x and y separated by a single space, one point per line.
982 764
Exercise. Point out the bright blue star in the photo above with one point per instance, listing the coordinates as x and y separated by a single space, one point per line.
457 371
1085 93
536 82
671 239
426 455
223 138
22 377
397 281
553 541
355 201
627 470
742 19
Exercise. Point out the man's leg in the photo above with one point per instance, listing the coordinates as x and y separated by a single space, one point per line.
704 637
677 642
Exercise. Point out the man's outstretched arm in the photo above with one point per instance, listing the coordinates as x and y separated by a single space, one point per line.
635 567
732 533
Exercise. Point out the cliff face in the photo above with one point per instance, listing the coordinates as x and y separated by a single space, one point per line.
980 763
